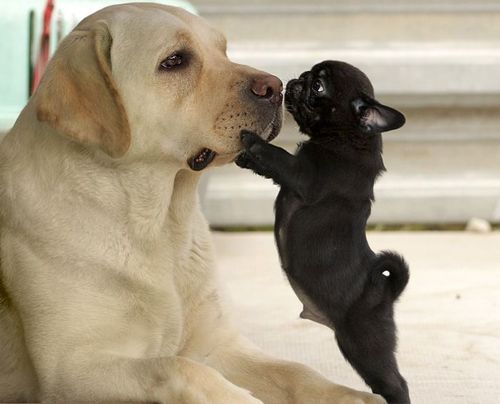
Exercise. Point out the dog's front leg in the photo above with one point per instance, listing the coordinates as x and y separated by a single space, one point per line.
101 377
275 163
277 381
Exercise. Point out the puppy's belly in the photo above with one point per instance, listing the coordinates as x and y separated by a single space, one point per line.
310 310
286 205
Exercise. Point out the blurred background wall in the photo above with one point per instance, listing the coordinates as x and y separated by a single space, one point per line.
438 61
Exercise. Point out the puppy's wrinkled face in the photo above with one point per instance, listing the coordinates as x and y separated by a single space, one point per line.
322 96
337 97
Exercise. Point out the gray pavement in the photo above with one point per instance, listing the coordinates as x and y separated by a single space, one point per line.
449 316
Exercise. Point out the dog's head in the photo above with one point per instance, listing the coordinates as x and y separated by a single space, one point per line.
337 97
149 81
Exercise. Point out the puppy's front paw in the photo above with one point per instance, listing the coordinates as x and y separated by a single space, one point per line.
250 139
255 146
243 160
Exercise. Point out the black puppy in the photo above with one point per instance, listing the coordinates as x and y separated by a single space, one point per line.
321 212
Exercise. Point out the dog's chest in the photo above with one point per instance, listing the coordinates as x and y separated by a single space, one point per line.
181 296
158 313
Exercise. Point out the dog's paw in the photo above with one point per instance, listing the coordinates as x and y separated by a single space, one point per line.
362 398
231 394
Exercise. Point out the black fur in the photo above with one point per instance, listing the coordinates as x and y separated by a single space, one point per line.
321 212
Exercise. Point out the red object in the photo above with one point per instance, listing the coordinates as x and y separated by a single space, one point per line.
43 54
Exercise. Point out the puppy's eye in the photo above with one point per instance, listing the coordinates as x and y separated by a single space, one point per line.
171 62
317 86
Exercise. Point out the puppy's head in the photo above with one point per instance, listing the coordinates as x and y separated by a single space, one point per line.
336 97
146 81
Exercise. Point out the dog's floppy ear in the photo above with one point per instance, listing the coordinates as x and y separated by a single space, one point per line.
77 95
374 117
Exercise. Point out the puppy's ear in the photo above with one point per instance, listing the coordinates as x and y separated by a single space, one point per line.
77 95
374 117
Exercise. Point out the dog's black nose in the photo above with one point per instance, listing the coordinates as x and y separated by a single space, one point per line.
268 87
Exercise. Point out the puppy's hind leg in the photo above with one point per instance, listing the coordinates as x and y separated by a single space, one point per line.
367 334
368 343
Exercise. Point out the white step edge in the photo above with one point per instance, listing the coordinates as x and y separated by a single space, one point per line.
347 7
398 69
248 200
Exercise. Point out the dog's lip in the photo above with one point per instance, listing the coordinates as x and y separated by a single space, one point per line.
275 130
201 160
205 156
272 127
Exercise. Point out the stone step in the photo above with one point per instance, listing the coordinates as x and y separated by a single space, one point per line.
435 60
433 176
411 73
235 199
345 21
453 124
427 53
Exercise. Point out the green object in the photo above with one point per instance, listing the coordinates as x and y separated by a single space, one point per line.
21 23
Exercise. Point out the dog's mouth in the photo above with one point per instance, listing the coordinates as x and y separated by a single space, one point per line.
272 129
205 156
201 160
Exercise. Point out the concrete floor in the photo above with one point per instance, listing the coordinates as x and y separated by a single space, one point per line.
448 317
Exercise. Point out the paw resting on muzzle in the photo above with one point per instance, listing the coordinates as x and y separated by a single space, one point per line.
260 115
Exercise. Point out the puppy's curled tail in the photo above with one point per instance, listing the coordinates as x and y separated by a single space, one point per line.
388 276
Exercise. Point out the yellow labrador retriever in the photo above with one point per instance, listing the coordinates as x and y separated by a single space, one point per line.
107 282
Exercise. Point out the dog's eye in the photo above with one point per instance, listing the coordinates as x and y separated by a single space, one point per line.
317 86
172 61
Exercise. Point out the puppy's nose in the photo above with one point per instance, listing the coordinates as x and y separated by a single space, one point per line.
294 88
268 87
293 85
